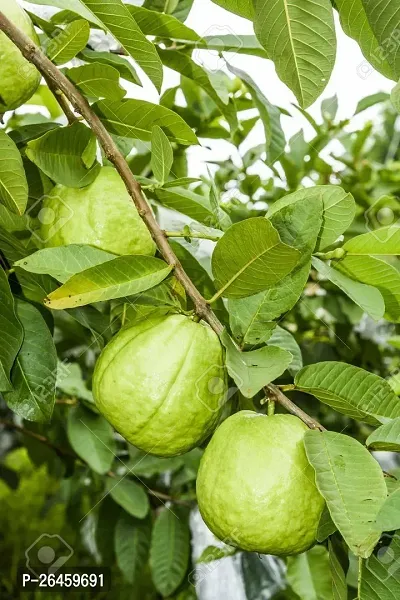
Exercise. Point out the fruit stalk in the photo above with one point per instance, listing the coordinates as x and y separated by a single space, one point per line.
61 84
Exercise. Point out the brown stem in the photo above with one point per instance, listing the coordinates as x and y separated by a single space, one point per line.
274 393
38 437
62 101
51 73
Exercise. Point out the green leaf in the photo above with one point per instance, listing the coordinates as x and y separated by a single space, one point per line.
75 6
121 24
123 66
130 495
97 80
355 24
183 64
162 25
382 16
71 382
371 100
169 551
235 43
69 42
212 553
350 390
326 527
195 206
91 436
132 543
270 116
367 297
34 373
388 518
243 8
123 276
284 339
250 257
339 584
385 241
380 574
136 119
386 437
67 155
13 184
12 333
340 463
162 155
309 576
63 262
375 272
338 212
252 371
299 37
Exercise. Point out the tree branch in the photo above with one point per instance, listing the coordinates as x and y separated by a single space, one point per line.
40 438
274 393
60 82
62 101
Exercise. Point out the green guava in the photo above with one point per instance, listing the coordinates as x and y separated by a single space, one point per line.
255 487
162 383
101 214
19 79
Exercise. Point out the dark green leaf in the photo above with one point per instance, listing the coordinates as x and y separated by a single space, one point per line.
13 184
12 333
132 543
128 494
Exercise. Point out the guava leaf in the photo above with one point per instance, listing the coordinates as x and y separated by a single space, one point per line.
284 339
162 155
132 544
378 273
92 438
340 463
195 206
350 390
251 257
97 81
339 209
385 241
62 262
60 154
386 437
299 36
380 575
116 17
371 100
388 518
309 575
13 184
130 495
382 16
122 276
169 550
243 8
68 42
34 373
253 370
162 25
367 297
123 66
339 583
12 333
136 118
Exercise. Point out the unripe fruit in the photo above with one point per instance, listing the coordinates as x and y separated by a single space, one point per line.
101 214
255 487
18 78
161 384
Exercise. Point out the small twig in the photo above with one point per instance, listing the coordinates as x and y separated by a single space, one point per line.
274 393
192 234
67 401
38 437
156 493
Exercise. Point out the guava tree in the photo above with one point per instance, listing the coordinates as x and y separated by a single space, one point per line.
251 347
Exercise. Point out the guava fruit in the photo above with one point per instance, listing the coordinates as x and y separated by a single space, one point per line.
255 487
161 383
101 214
19 79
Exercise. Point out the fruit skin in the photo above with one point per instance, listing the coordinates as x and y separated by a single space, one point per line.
152 383
255 487
101 214
19 79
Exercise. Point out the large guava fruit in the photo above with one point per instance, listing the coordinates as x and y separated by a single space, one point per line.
255 487
161 383
101 214
18 78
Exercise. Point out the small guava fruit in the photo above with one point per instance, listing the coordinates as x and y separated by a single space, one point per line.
161 383
19 79
101 214
255 487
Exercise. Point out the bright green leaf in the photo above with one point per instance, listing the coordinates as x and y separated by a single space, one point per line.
309 576
162 155
123 66
69 42
13 184
97 81
385 241
386 437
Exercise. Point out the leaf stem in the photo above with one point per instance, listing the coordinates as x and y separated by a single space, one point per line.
192 234
60 82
